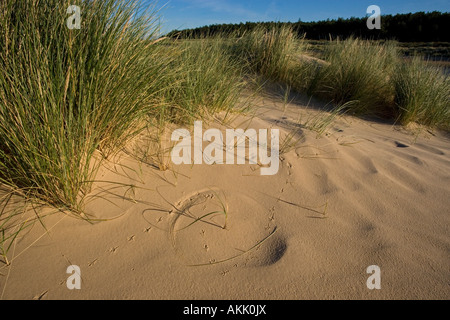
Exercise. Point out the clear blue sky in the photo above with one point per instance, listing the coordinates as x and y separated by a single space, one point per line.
182 14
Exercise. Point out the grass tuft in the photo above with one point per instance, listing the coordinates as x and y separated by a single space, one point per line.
422 94
67 94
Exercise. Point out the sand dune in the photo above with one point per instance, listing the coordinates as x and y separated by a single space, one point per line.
366 193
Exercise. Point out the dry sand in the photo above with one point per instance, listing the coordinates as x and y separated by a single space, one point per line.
364 194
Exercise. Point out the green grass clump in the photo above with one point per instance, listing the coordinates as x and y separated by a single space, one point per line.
268 52
66 94
422 94
372 78
205 80
358 71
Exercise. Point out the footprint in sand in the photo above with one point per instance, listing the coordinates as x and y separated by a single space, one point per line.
224 273
269 253
272 214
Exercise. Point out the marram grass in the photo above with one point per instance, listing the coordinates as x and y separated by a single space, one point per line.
422 94
67 94
69 98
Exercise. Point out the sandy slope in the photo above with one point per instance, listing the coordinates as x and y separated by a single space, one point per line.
364 194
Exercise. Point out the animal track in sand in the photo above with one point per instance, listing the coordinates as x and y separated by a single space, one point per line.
212 227
147 230
40 296
113 249
224 273
93 262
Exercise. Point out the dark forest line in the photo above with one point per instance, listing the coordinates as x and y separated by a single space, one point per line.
411 27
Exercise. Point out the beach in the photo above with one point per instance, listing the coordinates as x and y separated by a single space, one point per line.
364 193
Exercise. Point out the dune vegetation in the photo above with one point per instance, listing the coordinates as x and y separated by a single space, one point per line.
71 98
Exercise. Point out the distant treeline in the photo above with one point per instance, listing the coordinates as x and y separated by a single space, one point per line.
412 27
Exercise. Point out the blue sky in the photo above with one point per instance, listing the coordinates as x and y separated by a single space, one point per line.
182 14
